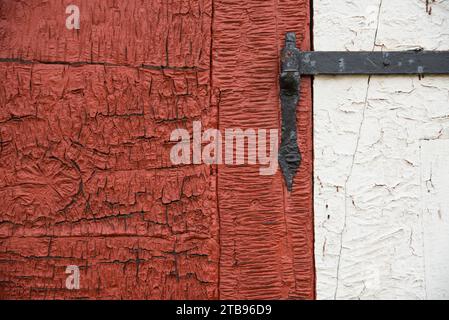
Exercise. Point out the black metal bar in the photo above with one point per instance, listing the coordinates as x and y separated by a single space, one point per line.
295 63
289 79
392 62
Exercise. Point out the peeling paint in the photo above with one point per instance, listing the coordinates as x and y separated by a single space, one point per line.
367 137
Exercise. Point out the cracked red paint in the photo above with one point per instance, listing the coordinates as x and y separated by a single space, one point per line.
85 171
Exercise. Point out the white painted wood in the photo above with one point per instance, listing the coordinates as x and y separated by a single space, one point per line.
371 227
435 193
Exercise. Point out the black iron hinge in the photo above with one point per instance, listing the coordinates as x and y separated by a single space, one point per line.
295 63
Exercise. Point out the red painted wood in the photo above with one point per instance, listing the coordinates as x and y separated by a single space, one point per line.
85 173
266 234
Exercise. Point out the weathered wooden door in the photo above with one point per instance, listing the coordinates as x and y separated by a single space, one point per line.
86 178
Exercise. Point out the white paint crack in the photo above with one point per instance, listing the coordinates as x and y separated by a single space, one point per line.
353 161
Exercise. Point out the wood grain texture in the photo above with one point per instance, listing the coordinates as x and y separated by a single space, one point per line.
372 193
85 174
154 32
266 234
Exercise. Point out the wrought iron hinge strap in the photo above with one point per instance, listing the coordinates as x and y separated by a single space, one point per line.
295 63
380 63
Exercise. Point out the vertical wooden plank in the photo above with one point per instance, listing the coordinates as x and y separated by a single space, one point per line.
266 234
434 191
